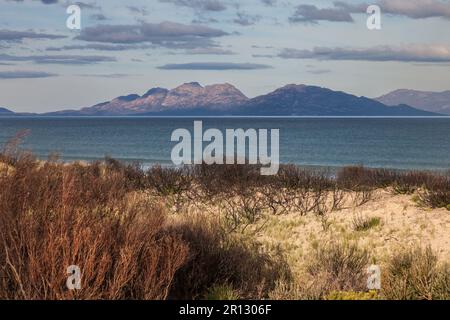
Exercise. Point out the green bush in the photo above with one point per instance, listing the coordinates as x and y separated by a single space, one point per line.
351 295
415 274
222 292
361 223
338 266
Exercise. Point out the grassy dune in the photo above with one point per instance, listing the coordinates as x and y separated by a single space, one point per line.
220 232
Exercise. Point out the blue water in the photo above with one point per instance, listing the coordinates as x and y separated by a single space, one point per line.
403 143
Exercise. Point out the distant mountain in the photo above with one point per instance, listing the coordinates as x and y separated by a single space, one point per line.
191 99
438 102
184 99
5 112
302 100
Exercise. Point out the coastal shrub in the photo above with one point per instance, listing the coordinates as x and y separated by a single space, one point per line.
242 210
218 258
294 177
302 190
335 270
53 216
134 175
436 193
362 196
410 181
169 181
174 186
222 180
337 198
415 274
276 200
356 177
337 266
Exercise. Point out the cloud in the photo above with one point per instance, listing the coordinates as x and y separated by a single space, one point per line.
12 35
342 10
214 66
25 74
416 9
140 10
405 53
101 47
98 17
269 3
211 51
58 59
165 34
201 5
261 47
245 19
82 5
263 56
113 75
319 71
43 1
312 14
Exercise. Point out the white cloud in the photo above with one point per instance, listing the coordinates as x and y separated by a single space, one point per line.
404 53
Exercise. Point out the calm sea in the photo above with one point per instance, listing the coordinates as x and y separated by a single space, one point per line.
403 143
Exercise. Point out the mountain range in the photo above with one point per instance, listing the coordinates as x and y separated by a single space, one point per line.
192 99
189 98
438 102
5 112
302 100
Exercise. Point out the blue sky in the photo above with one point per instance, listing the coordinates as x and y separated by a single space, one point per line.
131 46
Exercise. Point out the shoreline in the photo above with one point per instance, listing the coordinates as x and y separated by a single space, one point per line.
311 167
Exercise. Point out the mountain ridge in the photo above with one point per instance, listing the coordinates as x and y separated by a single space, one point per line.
304 100
438 102
4 111
188 96
193 99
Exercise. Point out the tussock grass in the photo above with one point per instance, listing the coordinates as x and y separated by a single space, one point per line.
362 223
416 274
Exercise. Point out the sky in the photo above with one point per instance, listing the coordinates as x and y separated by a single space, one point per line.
126 47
